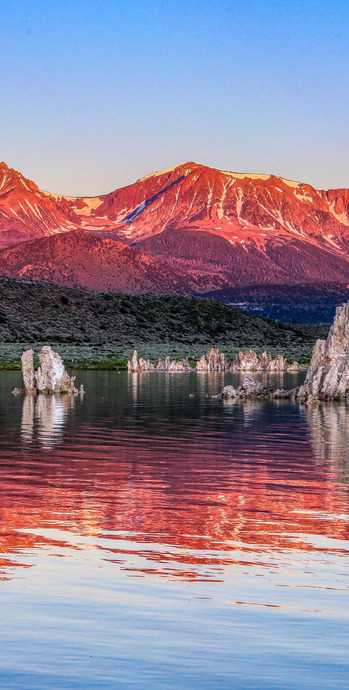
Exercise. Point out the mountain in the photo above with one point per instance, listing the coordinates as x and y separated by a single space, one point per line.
249 228
27 213
235 228
77 259
242 208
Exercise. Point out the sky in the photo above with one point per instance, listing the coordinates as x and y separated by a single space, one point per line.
98 93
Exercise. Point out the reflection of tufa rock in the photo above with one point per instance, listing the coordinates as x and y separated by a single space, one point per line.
51 376
328 375
44 417
329 432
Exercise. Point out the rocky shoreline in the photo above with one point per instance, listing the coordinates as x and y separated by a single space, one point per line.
327 377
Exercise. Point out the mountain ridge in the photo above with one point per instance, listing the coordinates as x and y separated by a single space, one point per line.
233 228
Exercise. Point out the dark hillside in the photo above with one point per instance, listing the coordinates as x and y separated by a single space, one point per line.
43 313
303 303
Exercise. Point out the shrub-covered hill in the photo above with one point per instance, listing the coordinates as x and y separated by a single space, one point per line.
43 313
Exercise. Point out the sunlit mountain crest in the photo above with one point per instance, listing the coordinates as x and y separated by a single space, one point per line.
236 228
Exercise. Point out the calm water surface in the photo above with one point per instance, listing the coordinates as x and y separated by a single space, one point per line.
153 537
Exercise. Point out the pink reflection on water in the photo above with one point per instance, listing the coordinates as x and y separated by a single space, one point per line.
184 502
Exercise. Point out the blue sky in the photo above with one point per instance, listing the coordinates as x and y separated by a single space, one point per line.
95 94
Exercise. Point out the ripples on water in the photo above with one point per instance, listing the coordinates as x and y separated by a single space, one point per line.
154 539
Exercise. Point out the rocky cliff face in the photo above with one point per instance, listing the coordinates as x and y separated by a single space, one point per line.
328 375
238 206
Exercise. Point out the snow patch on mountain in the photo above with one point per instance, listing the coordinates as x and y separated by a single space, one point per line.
242 176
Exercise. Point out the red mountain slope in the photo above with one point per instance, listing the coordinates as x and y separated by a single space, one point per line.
27 213
242 228
279 262
247 228
78 260
242 208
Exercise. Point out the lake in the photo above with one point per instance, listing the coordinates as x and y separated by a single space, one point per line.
155 537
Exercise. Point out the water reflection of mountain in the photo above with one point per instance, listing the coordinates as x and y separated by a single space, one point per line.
163 482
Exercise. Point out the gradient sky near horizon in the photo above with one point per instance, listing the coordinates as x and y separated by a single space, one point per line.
95 94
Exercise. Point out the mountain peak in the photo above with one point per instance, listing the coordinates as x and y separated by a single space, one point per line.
10 175
179 169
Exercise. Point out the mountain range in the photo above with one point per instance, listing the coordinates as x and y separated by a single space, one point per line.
189 229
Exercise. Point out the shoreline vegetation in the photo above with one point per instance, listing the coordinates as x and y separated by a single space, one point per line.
101 330
115 357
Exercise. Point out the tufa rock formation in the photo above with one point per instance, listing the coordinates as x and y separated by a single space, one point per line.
28 371
215 361
248 360
50 377
167 365
328 375
254 389
293 368
138 366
